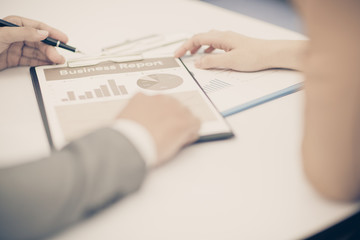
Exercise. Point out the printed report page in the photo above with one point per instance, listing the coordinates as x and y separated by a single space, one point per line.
78 100
229 89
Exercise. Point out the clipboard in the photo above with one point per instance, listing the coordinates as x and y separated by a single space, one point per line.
63 90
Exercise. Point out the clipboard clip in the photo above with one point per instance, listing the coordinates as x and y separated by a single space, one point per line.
144 44
93 60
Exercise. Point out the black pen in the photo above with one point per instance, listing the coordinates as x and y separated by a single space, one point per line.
50 41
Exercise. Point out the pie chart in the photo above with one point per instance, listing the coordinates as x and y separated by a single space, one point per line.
160 81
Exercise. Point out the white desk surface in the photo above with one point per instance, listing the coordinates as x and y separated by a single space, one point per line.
249 187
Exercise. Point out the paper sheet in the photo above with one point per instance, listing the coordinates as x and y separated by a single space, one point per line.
228 89
78 100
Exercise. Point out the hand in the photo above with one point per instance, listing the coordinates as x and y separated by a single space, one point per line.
171 124
243 53
22 46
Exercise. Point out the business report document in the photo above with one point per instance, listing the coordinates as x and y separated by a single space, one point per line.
77 100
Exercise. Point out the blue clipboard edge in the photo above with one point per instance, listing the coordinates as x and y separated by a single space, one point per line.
258 101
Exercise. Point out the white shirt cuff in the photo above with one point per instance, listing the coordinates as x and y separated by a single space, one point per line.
140 137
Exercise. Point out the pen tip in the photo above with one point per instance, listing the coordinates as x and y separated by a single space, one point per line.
78 51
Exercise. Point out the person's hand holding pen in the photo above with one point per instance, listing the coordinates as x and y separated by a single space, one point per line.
22 46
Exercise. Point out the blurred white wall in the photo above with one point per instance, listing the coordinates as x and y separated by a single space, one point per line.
278 12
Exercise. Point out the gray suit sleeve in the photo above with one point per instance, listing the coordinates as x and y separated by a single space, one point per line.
43 197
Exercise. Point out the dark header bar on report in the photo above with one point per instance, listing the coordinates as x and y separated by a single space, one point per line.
63 73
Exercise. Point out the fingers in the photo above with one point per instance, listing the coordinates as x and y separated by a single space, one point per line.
19 55
10 35
53 55
193 44
43 53
223 60
25 61
209 49
195 50
23 44
214 39
35 53
193 130
53 32
49 51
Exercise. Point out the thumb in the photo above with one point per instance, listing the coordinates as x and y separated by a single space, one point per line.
20 34
222 60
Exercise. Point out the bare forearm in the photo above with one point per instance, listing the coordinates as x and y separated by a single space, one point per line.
331 151
284 54
331 141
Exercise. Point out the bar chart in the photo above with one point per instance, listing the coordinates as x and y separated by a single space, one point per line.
215 85
106 90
